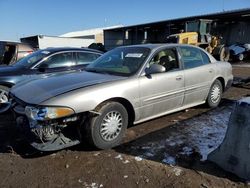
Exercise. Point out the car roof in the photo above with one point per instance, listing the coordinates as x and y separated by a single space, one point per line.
59 49
159 45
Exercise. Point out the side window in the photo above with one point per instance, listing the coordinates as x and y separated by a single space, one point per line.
206 59
85 58
166 58
58 60
191 57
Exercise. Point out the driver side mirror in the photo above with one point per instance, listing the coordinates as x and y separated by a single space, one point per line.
155 68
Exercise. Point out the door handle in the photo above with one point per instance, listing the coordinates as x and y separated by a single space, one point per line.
211 70
178 78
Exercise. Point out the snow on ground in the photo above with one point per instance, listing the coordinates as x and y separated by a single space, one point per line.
197 136
245 100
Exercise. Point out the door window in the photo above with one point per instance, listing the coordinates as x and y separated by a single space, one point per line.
193 57
85 58
58 60
166 58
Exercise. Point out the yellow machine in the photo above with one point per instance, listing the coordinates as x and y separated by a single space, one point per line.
198 33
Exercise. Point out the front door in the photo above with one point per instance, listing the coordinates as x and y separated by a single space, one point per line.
162 92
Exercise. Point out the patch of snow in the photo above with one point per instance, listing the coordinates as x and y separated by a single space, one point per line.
119 157
146 147
244 100
93 185
201 134
97 154
125 177
149 154
138 158
186 151
125 162
177 171
170 160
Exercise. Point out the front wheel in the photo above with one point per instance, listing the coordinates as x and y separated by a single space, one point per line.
107 129
215 94
4 100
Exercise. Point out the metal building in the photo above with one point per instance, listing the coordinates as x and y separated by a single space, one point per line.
233 26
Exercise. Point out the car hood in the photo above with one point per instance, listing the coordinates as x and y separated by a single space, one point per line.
40 90
9 70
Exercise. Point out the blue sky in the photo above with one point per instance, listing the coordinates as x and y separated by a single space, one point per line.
21 18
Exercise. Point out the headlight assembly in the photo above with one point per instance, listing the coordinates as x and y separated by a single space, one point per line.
47 113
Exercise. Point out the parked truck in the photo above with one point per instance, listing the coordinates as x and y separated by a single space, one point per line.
43 41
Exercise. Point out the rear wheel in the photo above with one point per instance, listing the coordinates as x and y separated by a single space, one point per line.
215 94
107 129
4 100
240 57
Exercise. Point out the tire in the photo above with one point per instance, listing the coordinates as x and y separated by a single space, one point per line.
215 94
240 57
107 130
4 100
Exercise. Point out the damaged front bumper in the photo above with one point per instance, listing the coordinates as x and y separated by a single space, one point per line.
48 135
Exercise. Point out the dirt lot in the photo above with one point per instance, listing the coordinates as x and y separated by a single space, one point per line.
167 152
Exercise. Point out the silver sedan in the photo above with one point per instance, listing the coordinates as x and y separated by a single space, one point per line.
127 85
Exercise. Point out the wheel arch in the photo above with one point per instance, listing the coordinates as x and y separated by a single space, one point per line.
222 80
7 84
126 103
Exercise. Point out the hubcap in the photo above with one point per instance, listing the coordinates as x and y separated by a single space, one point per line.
241 57
111 126
3 96
4 101
215 94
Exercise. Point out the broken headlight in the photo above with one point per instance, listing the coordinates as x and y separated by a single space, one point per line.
47 113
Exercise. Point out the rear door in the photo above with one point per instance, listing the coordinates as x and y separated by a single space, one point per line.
198 74
162 92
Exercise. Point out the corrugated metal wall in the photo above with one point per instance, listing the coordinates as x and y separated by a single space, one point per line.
239 33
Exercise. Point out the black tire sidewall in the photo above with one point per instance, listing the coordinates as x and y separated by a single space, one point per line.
95 123
209 101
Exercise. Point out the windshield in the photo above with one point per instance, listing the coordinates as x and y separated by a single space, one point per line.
124 61
32 59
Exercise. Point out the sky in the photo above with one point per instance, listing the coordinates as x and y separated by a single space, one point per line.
22 18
